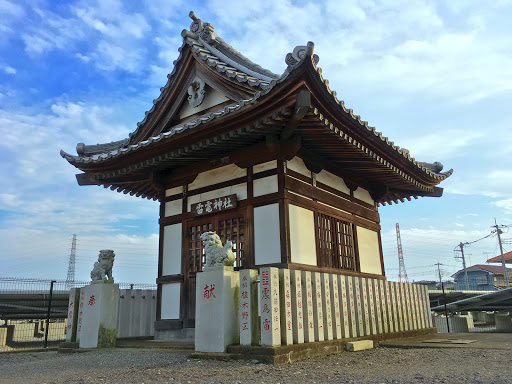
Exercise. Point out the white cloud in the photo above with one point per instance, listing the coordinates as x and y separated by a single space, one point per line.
506 204
8 69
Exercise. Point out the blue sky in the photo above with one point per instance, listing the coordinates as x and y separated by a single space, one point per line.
435 77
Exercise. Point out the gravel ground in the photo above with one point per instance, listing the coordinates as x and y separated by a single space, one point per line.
380 365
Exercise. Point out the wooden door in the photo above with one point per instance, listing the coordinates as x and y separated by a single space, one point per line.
229 226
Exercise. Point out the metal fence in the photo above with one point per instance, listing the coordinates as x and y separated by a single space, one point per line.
33 312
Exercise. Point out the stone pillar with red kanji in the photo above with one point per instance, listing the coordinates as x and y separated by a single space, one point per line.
327 306
297 307
217 324
307 301
285 294
97 315
270 312
72 314
318 313
248 314
335 307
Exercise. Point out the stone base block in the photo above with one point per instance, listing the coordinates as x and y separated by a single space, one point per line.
216 309
289 353
97 318
361 345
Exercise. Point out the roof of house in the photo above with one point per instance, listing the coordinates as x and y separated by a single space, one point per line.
497 259
494 269
329 128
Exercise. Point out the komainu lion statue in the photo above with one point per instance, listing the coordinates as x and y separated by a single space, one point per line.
102 270
216 254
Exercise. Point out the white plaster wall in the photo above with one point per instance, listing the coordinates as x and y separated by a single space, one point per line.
332 181
364 195
264 166
240 190
217 175
369 253
296 164
302 235
211 98
267 241
172 250
174 191
170 301
265 185
173 207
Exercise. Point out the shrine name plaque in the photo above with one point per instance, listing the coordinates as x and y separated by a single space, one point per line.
219 204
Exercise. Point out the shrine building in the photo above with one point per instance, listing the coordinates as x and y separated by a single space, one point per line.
275 163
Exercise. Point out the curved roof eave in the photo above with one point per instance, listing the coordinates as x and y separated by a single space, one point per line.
301 55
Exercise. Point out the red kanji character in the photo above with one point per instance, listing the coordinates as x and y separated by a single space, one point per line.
244 327
265 309
92 300
208 291
266 325
245 305
265 294
71 304
245 295
264 278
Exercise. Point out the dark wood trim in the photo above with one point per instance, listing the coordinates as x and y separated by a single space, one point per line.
366 224
328 198
284 234
160 258
381 254
336 192
184 239
172 219
299 176
173 197
356 246
169 324
158 302
213 187
250 185
170 279
262 174
313 205
271 198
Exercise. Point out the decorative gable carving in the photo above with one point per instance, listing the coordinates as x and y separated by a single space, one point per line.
196 91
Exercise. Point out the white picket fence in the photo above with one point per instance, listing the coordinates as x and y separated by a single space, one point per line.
297 307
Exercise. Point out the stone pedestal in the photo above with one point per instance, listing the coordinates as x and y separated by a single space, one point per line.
217 309
97 316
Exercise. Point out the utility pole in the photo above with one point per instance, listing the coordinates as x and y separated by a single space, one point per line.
499 232
444 296
461 246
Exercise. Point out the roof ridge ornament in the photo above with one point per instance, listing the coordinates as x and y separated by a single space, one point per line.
204 30
300 52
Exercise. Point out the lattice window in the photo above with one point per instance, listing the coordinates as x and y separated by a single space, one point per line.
196 255
335 243
234 229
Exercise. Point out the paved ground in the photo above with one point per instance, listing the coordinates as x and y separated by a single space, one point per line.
485 364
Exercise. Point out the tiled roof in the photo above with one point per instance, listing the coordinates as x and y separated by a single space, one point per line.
497 259
221 56
494 269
